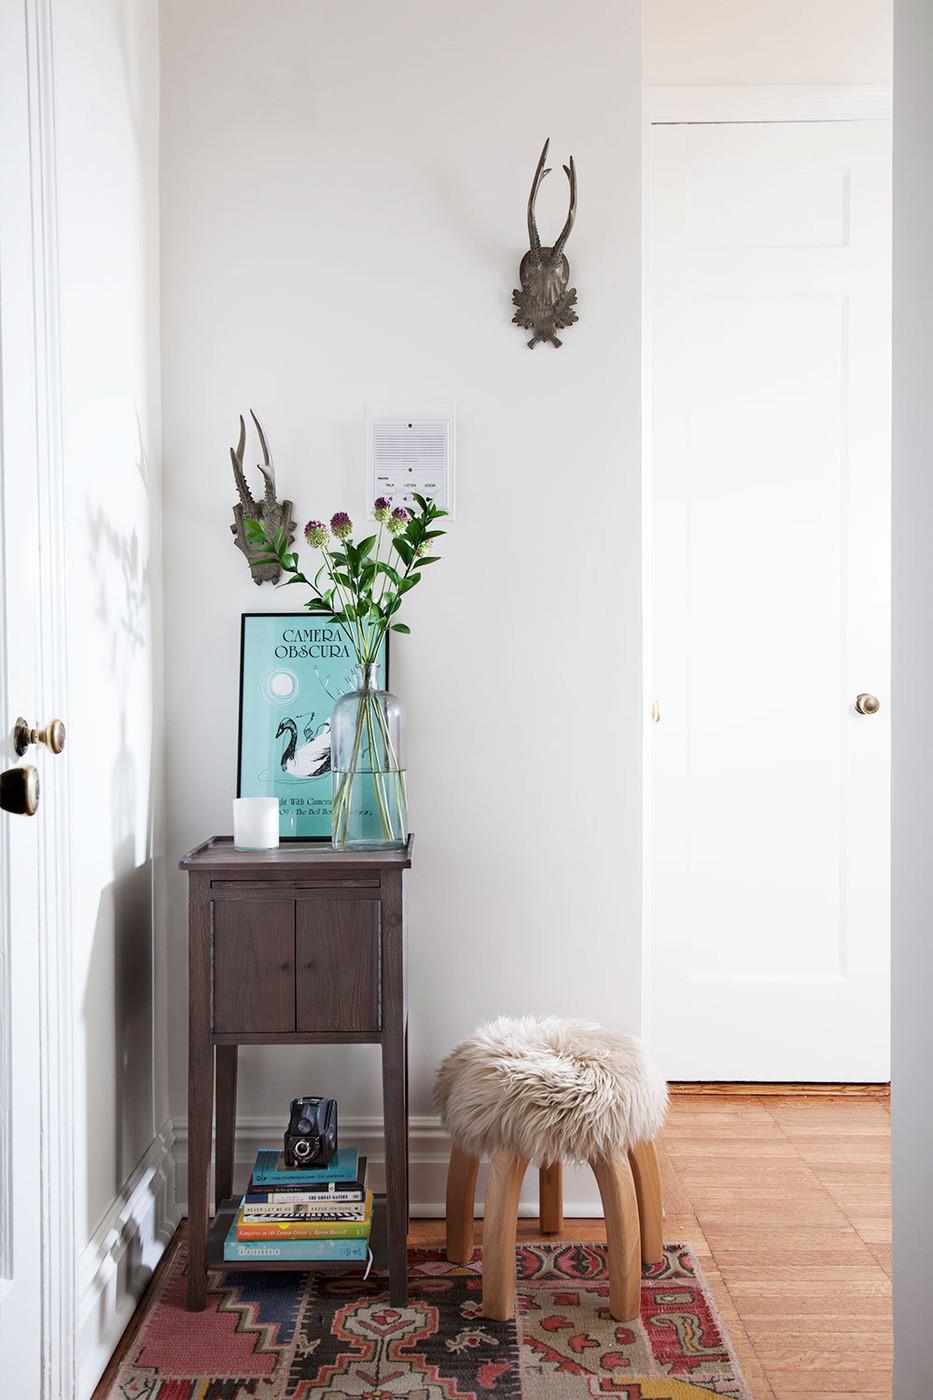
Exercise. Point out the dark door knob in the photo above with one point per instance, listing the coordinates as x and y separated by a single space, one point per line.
19 791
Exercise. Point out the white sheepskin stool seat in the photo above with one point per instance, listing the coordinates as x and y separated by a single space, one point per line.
545 1090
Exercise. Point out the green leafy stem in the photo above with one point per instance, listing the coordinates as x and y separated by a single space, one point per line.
355 585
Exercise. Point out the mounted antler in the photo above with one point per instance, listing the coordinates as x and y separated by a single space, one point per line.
545 301
558 250
275 514
236 457
265 466
534 238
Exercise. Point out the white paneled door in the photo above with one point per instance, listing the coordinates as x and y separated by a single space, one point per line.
36 1150
769 313
21 1317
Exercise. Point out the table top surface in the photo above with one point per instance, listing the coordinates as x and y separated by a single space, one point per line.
219 853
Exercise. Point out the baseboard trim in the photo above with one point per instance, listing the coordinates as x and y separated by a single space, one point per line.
117 1262
428 1154
752 1088
429 1150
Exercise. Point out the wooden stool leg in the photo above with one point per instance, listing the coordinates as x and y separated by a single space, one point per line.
551 1198
461 1194
643 1160
503 1188
620 1207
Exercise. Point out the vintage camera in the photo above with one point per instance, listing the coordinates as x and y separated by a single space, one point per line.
311 1135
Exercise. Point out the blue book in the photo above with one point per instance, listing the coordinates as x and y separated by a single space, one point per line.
312 1251
270 1169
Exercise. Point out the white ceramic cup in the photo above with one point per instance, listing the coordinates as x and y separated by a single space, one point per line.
255 823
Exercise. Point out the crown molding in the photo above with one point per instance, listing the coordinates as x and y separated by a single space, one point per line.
685 105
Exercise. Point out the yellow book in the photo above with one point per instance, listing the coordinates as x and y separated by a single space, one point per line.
306 1229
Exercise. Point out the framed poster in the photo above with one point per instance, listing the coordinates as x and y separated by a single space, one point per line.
293 668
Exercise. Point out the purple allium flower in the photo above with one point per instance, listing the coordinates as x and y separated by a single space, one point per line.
381 507
398 520
316 533
341 525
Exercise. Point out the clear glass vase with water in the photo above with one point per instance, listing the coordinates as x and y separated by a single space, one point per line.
369 810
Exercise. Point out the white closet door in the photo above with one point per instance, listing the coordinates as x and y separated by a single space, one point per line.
770 247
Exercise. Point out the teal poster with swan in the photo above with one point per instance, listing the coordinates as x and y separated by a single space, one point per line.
293 669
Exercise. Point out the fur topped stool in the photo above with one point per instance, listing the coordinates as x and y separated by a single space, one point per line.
547 1091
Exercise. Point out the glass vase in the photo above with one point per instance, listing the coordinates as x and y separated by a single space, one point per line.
370 804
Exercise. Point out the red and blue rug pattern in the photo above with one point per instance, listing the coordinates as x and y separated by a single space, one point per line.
291 1336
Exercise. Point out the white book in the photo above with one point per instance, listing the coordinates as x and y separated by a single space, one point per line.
326 1199
353 1210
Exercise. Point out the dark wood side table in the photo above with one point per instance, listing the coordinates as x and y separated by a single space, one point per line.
302 945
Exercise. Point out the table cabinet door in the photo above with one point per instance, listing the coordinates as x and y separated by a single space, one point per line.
254 965
338 965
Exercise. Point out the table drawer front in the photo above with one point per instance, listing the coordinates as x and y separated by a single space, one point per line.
254 966
337 946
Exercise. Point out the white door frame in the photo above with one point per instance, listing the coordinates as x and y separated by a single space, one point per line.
56 1126
683 105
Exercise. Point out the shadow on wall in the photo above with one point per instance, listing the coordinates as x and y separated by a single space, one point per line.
122 578
118 1003
119 989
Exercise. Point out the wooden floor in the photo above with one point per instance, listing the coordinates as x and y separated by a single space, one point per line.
789 1200
785 1202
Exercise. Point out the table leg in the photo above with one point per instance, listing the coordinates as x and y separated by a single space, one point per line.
407 1140
200 1090
394 1105
226 1058
396 1167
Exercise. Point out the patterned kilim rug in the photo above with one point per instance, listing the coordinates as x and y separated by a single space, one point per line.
284 1336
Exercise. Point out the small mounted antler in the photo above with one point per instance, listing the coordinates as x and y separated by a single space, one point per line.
571 172
534 238
545 300
265 466
275 514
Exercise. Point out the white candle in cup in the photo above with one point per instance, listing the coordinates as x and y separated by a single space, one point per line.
255 823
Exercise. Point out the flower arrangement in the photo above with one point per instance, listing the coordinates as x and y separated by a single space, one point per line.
361 586
356 585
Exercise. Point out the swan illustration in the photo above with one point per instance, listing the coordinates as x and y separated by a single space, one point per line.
313 758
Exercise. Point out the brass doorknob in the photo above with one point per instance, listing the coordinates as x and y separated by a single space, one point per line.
19 791
53 736
867 704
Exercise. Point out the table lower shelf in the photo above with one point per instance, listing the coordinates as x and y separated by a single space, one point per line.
220 1227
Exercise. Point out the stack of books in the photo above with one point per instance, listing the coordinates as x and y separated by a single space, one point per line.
320 1214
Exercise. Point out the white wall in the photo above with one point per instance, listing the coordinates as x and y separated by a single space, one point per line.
913 683
764 42
106 101
343 211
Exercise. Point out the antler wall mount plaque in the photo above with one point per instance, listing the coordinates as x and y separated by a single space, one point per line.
275 514
545 299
